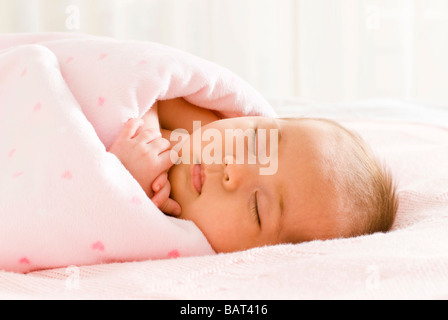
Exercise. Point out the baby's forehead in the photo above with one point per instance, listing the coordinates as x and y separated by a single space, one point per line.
306 135
308 150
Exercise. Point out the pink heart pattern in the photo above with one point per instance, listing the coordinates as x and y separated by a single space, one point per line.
11 153
174 254
102 56
101 101
37 107
17 174
99 246
67 175
136 200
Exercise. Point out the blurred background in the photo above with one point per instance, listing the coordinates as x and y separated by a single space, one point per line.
329 51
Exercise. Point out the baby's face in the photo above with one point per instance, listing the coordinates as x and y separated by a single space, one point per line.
238 208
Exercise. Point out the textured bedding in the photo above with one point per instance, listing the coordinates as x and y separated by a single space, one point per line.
410 262
64 200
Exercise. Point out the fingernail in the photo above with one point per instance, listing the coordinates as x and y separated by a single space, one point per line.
177 211
157 188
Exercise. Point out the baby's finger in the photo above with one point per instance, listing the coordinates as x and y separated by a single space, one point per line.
171 207
162 195
159 145
159 182
167 159
130 128
162 200
146 135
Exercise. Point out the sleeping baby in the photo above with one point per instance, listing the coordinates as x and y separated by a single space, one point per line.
325 182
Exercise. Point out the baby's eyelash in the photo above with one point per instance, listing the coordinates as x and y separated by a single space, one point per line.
254 208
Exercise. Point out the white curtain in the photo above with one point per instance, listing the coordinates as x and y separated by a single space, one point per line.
322 50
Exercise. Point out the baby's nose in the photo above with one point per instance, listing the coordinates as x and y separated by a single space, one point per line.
235 175
231 177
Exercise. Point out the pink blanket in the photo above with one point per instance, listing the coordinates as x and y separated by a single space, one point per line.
64 200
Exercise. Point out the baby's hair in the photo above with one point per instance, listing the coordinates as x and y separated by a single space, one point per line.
364 184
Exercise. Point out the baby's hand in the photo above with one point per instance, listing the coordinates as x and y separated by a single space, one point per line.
144 153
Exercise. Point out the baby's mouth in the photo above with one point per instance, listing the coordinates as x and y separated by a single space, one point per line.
197 177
